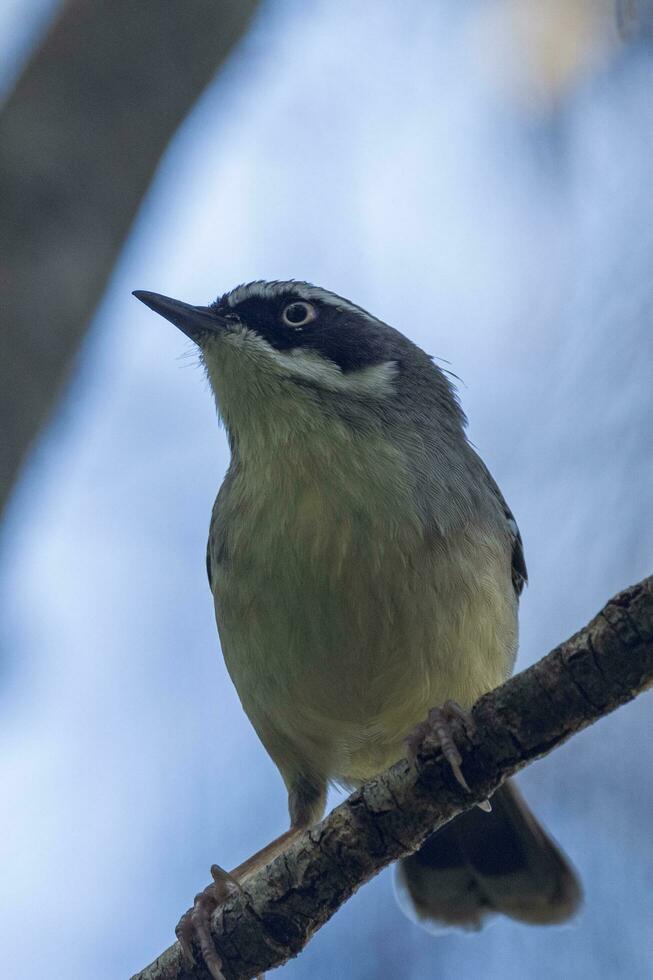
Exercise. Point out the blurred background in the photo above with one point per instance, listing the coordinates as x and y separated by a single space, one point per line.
479 175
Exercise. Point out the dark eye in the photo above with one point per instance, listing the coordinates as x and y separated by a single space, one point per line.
298 314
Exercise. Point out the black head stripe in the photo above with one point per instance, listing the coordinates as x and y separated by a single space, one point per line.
344 335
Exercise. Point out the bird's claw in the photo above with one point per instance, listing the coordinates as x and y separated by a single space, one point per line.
438 725
195 925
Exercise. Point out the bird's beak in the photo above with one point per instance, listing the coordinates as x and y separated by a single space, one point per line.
195 321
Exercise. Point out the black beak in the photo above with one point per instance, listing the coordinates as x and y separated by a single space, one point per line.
195 321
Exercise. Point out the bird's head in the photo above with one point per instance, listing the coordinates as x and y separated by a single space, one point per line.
286 357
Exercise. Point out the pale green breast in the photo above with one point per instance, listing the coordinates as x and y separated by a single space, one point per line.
342 623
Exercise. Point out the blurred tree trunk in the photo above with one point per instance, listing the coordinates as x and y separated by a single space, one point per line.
80 138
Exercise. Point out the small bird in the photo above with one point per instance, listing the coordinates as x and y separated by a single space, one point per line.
366 570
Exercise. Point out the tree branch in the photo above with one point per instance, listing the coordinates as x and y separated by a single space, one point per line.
603 666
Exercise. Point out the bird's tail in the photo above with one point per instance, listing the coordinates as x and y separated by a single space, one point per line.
482 863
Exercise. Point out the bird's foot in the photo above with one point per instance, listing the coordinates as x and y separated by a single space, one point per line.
438 725
195 925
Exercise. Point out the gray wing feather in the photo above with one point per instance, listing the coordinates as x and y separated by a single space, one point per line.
208 563
519 571
216 546
518 562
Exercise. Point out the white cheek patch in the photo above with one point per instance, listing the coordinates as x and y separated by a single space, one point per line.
376 380
306 365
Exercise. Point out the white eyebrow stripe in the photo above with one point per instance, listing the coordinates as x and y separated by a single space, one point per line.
298 290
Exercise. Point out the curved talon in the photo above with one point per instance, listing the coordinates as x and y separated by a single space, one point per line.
204 905
453 710
222 880
184 934
438 724
196 925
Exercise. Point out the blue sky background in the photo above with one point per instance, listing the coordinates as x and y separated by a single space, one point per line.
435 163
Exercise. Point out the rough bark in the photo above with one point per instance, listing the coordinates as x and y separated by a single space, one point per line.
80 138
606 664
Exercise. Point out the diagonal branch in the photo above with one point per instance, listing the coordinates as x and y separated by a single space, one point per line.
606 664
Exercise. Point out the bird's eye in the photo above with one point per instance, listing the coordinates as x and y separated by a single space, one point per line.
298 314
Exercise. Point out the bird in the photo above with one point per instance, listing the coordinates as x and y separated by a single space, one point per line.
366 574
